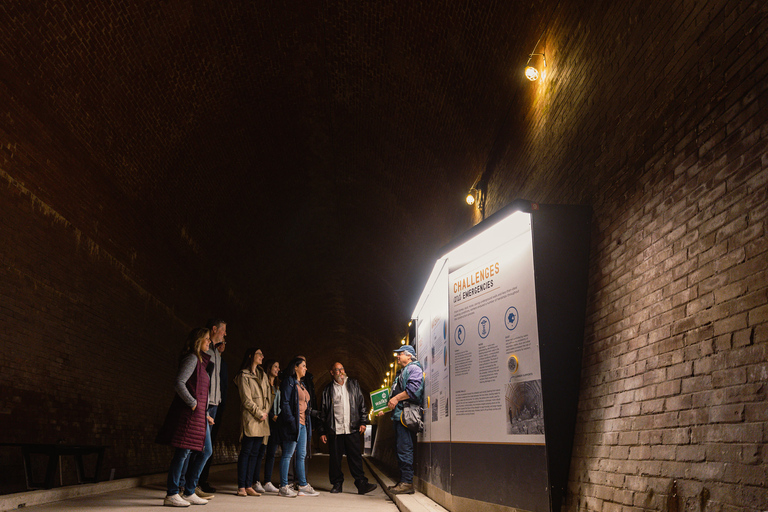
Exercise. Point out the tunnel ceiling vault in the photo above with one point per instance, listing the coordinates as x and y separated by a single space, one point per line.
313 157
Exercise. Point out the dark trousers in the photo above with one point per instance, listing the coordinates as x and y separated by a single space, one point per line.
405 442
269 451
246 460
337 446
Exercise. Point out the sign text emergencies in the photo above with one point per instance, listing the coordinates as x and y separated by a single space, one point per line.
476 282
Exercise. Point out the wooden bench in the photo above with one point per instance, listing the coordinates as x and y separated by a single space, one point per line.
54 452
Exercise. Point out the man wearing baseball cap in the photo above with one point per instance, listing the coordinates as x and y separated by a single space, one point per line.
408 387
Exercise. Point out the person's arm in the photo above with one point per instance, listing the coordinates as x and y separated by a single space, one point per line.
276 405
412 385
249 398
362 407
259 400
323 414
393 401
287 389
186 369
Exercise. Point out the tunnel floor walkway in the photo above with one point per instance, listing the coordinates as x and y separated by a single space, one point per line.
224 478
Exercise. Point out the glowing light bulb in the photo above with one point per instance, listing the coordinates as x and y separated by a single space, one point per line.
531 73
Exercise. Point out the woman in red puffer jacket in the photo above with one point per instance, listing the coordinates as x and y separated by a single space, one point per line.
186 425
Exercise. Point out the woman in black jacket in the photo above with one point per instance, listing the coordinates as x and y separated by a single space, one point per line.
295 427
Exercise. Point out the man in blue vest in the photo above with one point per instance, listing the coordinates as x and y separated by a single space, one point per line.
408 387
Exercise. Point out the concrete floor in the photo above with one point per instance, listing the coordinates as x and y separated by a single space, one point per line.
225 480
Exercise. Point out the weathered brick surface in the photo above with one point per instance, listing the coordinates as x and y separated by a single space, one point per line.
658 116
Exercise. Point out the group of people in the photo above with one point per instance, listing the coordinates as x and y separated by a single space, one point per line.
274 415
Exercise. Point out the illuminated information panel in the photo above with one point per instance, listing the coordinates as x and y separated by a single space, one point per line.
496 374
499 333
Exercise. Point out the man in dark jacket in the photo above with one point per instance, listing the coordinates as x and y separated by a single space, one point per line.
343 417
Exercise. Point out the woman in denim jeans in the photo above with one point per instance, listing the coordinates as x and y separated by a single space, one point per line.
187 426
295 427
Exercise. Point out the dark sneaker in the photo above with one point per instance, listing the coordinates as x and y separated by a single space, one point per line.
203 494
366 488
207 488
403 488
336 489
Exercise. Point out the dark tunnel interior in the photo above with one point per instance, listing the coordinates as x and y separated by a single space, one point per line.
296 168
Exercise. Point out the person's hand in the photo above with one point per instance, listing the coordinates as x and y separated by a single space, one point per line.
362 429
210 420
194 407
392 403
264 417
274 418
324 438
380 413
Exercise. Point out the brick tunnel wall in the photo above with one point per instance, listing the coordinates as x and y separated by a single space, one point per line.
654 113
87 311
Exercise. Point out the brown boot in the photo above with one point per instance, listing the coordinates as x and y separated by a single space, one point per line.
402 488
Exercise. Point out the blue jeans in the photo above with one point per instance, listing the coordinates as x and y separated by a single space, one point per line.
181 458
404 443
269 450
211 411
246 460
300 446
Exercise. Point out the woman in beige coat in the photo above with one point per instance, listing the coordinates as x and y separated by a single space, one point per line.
255 402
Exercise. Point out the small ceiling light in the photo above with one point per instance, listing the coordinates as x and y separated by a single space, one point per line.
391 365
387 374
531 73
402 342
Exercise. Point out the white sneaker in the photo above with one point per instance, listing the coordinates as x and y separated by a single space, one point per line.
270 487
258 487
194 499
175 501
307 490
287 492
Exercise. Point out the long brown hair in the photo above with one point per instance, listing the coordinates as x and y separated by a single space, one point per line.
194 342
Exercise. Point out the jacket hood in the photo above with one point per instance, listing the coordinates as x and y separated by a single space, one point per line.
248 374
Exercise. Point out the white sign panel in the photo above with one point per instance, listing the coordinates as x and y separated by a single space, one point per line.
495 370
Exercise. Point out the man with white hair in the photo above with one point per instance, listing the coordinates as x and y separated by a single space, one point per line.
408 387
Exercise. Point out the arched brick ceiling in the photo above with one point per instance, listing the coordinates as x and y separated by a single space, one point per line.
313 155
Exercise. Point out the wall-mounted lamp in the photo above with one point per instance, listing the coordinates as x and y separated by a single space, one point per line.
531 73
476 196
472 196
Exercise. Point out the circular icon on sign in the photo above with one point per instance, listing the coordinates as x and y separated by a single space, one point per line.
511 317
484 327
513 364
459 335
